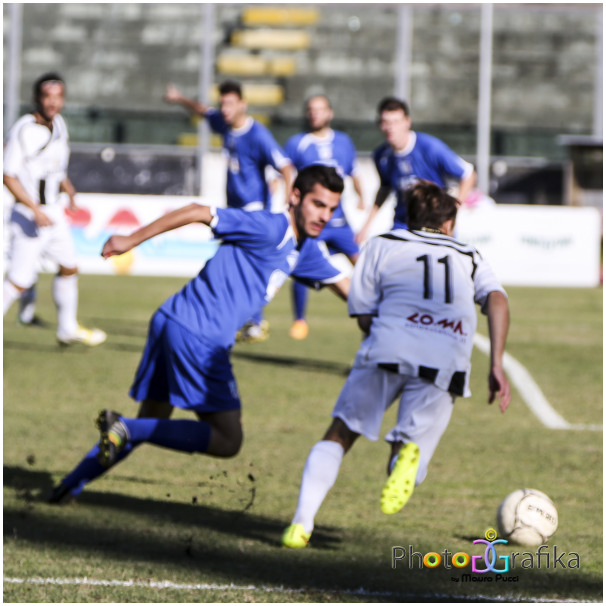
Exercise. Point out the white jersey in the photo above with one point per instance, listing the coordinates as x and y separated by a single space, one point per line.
421 287
38 157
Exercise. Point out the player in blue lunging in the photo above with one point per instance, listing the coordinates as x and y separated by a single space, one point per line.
322 144
250 148
186 361
407 157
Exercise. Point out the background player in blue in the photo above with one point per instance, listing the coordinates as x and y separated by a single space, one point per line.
186 361
407 157
321 144
250 148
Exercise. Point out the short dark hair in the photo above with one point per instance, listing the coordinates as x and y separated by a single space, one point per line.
316 96
392 104
48 77
230 86
326 176
428 205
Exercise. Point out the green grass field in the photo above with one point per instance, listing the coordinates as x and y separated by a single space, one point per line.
168 527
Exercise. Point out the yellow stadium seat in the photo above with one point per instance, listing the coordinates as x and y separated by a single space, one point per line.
242 65
282 66
271 39
300 17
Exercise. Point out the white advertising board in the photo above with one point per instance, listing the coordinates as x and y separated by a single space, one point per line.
536 245
526 245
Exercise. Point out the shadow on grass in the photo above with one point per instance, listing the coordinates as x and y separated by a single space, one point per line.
325 366
188 538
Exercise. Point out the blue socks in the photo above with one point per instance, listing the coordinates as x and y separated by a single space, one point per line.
182 435
299 299
89 468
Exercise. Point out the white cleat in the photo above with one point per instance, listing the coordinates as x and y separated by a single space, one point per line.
85 336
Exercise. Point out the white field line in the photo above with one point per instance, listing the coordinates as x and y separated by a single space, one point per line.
232 587
531 393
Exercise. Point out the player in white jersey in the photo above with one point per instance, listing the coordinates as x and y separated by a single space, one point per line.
36 157
414 293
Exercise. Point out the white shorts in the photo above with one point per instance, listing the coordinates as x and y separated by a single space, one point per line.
30 242
423 414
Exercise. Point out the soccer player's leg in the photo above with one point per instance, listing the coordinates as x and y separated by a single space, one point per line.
179 368
26 246
423 415
300 329
61 249
358 411
319 475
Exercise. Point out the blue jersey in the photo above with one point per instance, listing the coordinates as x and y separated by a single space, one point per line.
425 157
258 252
336 149
249 150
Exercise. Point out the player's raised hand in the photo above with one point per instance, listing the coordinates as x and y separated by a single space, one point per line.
173 95
116 245
498 386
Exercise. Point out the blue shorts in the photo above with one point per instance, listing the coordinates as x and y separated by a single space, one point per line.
340 239
179 368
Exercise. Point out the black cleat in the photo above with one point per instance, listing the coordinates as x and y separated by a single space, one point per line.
35 322
113 436
60 494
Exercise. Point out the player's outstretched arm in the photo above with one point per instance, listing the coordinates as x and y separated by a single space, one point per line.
498 325
341 288
173 95
193 213
466 185
380 198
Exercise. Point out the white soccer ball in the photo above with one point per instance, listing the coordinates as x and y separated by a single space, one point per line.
527 517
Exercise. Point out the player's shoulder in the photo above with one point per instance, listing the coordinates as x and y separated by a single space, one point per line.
429 238
342 138
427 141
22 122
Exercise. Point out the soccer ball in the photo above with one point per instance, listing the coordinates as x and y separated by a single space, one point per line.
527 517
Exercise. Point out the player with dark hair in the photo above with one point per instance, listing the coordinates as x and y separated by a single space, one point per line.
250 148
408 156
413 293
36 157
322 144
186 361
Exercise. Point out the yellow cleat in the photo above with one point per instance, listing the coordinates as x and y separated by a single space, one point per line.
401 481
299 330
295 537
253 333
85 336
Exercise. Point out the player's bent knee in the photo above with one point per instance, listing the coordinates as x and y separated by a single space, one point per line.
67 271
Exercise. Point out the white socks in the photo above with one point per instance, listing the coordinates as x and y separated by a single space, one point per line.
65 295
9 295
27 305
319 475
